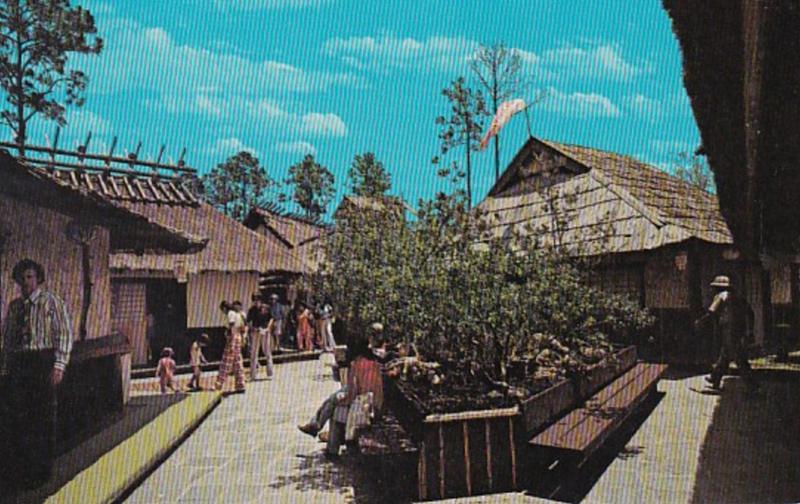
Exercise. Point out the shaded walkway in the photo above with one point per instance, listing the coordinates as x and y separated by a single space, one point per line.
249 450
702 448
85 448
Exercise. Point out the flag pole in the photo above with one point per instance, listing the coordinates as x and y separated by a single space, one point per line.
528 121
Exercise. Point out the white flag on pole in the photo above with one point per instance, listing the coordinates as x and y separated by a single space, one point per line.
504 112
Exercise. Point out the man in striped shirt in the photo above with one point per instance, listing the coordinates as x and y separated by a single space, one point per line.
36 345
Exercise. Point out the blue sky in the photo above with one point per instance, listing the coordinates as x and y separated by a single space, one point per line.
341 77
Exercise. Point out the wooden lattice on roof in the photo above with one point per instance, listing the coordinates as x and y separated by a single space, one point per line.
114 177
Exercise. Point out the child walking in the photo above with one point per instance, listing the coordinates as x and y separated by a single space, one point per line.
166 371
196 358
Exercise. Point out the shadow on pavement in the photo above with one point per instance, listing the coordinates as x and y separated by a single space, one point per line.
752 448
82 449
317 473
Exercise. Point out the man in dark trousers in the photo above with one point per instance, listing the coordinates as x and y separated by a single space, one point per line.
734 320
37 342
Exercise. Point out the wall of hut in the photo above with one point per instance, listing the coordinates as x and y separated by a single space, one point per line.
40 234
205 291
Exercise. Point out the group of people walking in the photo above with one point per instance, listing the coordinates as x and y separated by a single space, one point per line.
260 330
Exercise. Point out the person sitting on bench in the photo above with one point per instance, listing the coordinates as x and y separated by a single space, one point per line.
326 409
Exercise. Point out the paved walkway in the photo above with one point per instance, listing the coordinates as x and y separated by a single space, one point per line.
249 450
685 447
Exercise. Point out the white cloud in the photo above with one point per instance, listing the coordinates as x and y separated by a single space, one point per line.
579 104
230 147
642 106
601 61
318 124
251 5
297 147
389 51
149 58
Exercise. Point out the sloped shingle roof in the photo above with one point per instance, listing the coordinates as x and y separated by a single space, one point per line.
618 204
231 246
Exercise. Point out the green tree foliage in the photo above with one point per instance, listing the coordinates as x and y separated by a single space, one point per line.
498 69
313 186
36 39
368 177
463 294
238 185
694 169
463 125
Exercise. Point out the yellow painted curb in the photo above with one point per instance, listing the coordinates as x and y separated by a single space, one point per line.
113 474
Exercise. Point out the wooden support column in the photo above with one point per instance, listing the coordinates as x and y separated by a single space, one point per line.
467 465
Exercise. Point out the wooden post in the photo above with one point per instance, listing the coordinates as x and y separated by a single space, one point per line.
467 468
87 287
512 448
441 461
488 432
422 473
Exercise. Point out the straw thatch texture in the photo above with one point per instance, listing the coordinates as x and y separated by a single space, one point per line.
298 235
129 230
232 247
601 202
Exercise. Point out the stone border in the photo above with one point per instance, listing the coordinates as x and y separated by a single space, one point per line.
120 470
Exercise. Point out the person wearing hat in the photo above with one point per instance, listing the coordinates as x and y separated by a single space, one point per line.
734 322
34 355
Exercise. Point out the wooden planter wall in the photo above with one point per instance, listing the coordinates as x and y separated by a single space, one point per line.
546 406
470 453
481 452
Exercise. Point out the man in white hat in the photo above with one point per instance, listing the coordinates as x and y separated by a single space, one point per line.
734 320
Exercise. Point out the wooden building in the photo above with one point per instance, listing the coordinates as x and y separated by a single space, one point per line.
71 232
178 294
661 240
741 68
296 234
181 293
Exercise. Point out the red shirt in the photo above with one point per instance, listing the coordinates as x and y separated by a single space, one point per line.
365 376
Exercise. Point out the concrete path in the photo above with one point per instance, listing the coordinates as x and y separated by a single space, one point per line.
684 447
249 450
701 448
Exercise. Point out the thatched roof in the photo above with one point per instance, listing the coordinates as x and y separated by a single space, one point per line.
296 234
232 246
291 230
741 62
600 200
167 203
128 230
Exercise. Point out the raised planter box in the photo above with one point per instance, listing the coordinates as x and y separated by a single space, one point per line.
544 407
480 452
469 453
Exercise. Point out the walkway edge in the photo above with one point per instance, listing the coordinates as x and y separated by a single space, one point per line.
118 471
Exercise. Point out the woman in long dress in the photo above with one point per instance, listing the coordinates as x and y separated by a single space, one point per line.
304 329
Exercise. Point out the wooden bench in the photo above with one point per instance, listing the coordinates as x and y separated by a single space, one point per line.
385 437
578 434
387 449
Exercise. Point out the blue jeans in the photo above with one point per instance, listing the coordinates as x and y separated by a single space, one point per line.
325 411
